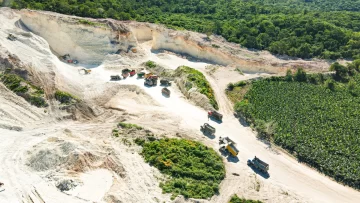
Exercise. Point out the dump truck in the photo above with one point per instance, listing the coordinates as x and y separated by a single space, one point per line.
68 59
165 82
206 128
226 144
11 37
215 114
115 77
148 75
151 80
140 74
259 164
165 91
132 73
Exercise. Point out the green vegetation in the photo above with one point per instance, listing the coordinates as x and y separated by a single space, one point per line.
316 117
150 64
197 79
34 95
129 126
64 97
311 28
195 170
236 199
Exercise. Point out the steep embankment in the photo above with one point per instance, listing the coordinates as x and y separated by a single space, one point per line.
90 41
86 40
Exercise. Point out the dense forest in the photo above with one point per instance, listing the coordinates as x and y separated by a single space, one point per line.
301 28
316 117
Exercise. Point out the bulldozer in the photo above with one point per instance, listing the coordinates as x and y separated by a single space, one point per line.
11 37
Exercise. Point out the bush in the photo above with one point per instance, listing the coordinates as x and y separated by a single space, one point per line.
195 170
300 75
129 126
150 64
236 199
230 86
64 97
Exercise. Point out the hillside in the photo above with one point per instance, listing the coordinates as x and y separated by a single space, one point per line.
328 30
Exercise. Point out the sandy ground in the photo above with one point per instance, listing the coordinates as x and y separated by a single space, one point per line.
47 148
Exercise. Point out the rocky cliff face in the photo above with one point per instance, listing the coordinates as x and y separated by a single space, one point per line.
86 40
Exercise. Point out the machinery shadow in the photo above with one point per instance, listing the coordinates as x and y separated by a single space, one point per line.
229 157
215 120
209 135
260 173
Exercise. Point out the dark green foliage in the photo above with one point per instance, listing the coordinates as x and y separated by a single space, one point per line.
230 86
341 72
311 28
150 64
196 78
288 76
236 199
318 122
129 126
34 95
64 97
196 170
300 75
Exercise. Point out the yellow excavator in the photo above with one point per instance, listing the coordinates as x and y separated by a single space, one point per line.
85 71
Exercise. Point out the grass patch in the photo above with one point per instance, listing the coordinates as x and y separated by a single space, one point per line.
196 79
215 46
236 199
31 93
129 126
64 97
150 64
195 170
315 117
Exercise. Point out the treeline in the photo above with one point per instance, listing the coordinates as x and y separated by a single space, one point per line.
279 27
314 116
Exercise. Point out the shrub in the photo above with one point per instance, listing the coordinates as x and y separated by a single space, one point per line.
195 170
236 199
288 76
64 97
150 64
230 86
300 75
129 126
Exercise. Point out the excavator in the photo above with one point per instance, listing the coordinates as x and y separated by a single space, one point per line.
86 71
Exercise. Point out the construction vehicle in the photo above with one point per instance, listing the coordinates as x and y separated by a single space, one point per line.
86 71
151 80
132 73
148 75
226 144
215 114
115 77
258 164
165 91
11 37
206 128
165 82
125 73
140 74
67 58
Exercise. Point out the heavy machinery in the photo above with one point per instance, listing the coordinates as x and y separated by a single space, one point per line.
165 82
165 91
258 164
67 58
115 77
226 144
11 37
151 80
215 114
132 73
140 74
148 75
125 73
206 128
86 71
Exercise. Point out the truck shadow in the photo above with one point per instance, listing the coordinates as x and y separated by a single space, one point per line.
165 95
233 159
209 135
215 120
260 173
